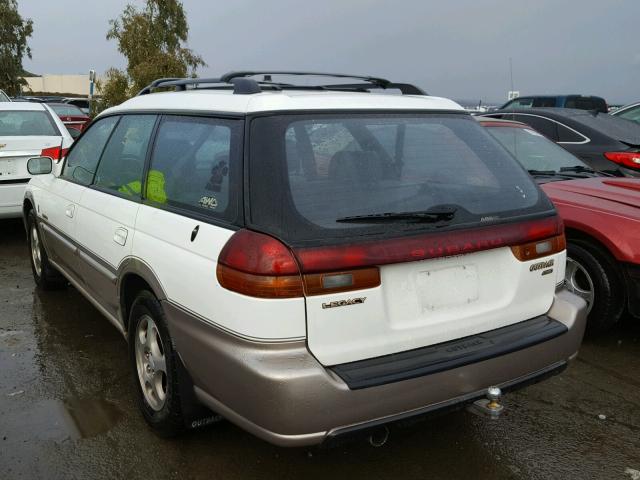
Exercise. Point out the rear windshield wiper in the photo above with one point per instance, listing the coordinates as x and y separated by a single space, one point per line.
432 215
578 169
542 172
552 173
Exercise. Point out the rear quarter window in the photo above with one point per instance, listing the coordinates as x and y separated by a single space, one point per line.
195 166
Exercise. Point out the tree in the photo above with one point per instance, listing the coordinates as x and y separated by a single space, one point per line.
14 32
153 41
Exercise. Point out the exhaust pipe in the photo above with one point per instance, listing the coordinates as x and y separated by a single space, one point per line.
378 437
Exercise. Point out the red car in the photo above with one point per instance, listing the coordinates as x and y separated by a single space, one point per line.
601 216
73 118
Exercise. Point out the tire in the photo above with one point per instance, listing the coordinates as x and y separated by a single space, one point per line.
44 274
591 268
154 361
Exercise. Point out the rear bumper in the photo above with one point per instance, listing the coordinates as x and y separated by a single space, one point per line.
632 275
11 197
280 393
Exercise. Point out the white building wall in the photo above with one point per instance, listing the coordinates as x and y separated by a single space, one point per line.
75 84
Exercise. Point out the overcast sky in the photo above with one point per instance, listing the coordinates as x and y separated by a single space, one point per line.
454 48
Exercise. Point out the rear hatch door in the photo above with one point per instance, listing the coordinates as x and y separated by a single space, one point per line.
359 190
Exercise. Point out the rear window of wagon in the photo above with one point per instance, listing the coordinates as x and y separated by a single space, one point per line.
308 171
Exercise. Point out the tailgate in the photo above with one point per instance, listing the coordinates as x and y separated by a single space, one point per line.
429 302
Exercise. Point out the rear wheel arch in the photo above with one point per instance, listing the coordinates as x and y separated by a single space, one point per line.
136 277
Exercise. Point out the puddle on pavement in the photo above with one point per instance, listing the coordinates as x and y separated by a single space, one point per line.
70 419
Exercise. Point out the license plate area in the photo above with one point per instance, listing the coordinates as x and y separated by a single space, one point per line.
8 166
447 287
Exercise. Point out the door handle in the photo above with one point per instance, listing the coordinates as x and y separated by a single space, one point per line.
70 210
120 236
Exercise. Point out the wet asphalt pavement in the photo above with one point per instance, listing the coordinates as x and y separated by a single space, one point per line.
67 411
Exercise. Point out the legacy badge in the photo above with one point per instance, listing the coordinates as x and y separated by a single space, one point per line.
344 303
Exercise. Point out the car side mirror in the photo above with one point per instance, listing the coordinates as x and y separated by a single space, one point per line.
40 165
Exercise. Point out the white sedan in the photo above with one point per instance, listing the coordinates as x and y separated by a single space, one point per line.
26 130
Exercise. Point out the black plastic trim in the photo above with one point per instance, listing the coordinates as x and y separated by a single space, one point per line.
15 181
448 355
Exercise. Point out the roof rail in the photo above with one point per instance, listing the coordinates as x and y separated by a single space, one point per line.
243 85
374 82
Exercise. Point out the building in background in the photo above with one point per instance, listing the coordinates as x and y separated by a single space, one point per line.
73 85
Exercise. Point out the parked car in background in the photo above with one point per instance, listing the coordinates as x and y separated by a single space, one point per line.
4 97
579 102
601 216
73 118
81 103
353 258
26 130
629 112
606 143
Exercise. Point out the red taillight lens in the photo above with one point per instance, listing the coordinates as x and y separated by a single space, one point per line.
259 254
258 265
626 159
56 153
425 246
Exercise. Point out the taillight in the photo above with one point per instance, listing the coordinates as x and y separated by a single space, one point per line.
56 153
626 159
261 266
425 246
258 265
533 250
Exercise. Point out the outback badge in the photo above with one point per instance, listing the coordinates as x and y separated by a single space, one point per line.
344 303
541 265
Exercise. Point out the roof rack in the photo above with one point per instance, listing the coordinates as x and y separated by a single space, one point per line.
242 84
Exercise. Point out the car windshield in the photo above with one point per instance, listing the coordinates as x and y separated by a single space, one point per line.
67 110
533 150
26 123
4 97
405 171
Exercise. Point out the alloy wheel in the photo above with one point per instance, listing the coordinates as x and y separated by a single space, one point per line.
578 281
151 363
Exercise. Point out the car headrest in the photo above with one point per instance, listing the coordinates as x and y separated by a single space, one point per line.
356 167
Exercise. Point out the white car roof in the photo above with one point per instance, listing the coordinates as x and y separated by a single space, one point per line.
226 101
35 106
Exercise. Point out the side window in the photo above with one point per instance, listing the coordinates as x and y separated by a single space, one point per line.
193 165
543 125
518 103
567 135
632 114
81 162
122 162
543 102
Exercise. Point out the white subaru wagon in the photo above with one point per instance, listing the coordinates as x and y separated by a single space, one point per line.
306 261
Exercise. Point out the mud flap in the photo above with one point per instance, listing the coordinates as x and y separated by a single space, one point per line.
194 413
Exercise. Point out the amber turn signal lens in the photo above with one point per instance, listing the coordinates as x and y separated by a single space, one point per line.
323 283
261 286
541 248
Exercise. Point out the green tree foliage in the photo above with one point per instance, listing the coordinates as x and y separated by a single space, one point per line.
153 41
14 32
